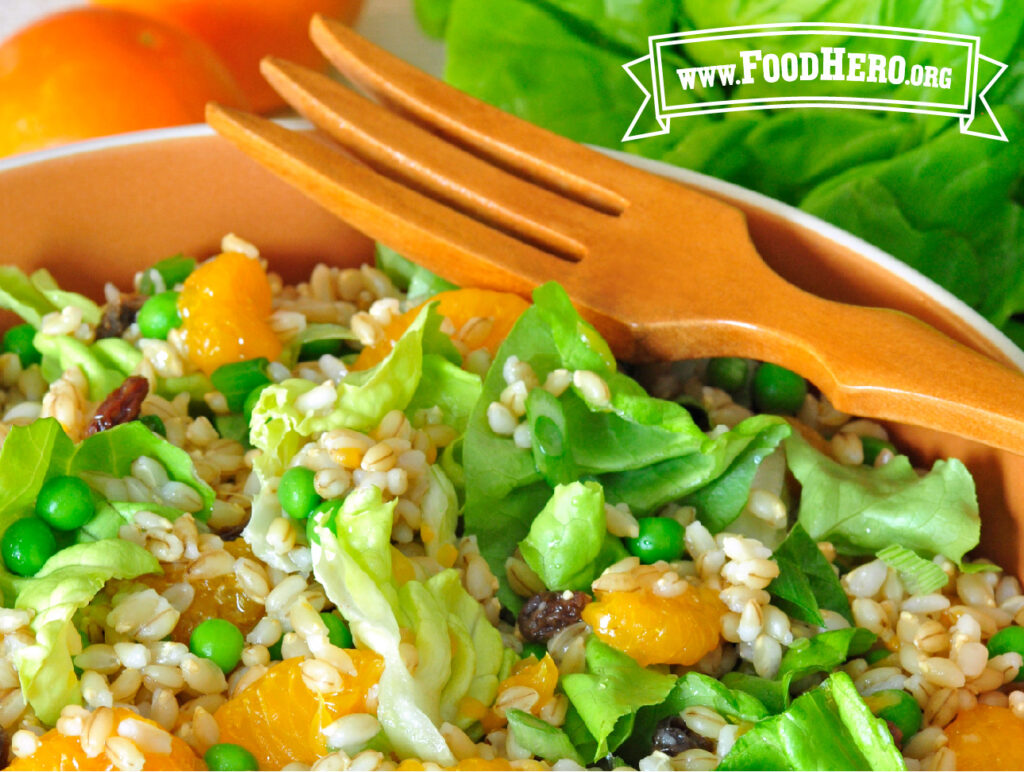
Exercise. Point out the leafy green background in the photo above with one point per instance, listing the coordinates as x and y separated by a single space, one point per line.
949 205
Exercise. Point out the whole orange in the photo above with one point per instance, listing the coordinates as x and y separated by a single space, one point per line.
244 31
89 72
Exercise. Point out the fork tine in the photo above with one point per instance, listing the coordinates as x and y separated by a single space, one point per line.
506 141
420 160
445 241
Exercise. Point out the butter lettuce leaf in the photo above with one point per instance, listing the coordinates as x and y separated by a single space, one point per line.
692 689
278 427
566 537
460 654
113 451
446 385
643 451
828 728
609 694
864 509
541 739
806 582
67 582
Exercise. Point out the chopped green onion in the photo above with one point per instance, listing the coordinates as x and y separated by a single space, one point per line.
872 447
173 270
154 423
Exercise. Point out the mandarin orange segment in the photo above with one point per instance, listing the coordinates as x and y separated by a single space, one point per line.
224 308
539 675
655 630
57 751
280 720
987 737
499 310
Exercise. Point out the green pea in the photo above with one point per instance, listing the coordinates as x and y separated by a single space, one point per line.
65 503
18 340
538 650
897 707
1007 640
26 545
219 641
727 373
778 390
661 538
337 631
228 756
154 423
159 315
872 447
297 493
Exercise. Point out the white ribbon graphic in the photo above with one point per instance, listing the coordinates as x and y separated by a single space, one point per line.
650 73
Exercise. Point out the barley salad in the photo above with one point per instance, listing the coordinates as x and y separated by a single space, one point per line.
375 521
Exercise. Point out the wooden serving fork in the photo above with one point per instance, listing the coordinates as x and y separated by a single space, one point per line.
485 199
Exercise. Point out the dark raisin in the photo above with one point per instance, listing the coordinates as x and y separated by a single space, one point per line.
546 613
5 748
232 532
118 316
672 736
123 405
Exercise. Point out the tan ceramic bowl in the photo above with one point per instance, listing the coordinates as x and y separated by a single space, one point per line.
100 210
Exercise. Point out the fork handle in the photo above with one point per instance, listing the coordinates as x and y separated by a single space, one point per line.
867 361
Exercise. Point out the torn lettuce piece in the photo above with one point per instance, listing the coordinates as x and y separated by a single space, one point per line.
609 694
445 385
460 653
539 738
644 451
278 427
418 282
864 509
113 451
828 728
715 477
824 652
111 515
67 582
30 456
692 689
265 509
806 582
567 536
439 511
313 333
